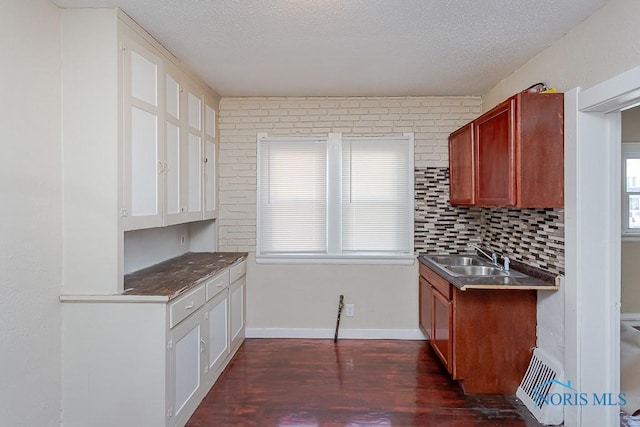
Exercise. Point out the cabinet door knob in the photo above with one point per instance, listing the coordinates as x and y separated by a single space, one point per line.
202 345
190 306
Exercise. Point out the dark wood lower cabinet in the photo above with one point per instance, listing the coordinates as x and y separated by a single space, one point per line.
441 338
425 295
484 337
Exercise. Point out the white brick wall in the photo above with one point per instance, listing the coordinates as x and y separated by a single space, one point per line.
431 118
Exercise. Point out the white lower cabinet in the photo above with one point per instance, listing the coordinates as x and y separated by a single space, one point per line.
201 344
186 361
143 362
217 316
236 297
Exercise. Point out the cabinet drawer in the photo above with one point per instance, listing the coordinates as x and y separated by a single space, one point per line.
436 281
237 271
217 284
184 306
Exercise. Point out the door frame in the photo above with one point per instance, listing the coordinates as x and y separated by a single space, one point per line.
593 241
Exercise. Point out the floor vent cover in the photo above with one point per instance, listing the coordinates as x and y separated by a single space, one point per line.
543 378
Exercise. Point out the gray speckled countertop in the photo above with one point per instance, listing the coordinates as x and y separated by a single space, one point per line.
177 275
542 281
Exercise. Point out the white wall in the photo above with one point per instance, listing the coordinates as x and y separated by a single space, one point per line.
143 248
602 46
92 240
30 218
630 252
285 296
630 277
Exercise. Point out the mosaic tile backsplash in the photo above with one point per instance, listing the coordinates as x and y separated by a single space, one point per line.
532 236
439 227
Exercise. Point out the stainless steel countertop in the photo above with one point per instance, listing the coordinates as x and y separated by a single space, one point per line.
494 282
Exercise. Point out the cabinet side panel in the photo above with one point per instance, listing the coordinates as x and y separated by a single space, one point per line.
494 335
541 151
90 152
113 364
461 166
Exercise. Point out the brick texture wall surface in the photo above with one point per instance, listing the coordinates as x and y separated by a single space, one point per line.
439 226
431 119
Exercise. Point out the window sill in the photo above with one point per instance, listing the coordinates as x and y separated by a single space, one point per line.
349 260
630 238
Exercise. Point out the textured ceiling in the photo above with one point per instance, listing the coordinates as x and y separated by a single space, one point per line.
353 47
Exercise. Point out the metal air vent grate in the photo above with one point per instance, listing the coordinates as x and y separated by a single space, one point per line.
543 377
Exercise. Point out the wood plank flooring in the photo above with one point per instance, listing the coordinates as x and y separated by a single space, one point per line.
354 383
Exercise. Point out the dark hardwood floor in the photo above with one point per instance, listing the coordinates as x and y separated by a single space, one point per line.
354 383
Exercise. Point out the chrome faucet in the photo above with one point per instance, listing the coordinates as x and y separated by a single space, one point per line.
493 257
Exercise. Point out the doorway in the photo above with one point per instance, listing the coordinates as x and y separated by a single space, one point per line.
630 250
593 241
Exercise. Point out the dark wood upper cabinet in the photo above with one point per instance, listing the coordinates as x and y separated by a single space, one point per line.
495 168
461 166
518 154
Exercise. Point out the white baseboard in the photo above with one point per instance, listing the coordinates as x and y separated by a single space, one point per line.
631 319
368 334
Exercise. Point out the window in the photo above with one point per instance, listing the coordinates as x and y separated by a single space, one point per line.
335 198
631 189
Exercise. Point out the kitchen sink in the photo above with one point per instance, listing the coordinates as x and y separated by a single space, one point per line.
481 271
467 265
456 260
474 270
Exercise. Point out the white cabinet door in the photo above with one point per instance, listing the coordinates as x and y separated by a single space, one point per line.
193 154
217 316
172 165
236 311
142 193
186 359
210 158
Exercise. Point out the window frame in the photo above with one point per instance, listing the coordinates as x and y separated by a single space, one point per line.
630 150
333 234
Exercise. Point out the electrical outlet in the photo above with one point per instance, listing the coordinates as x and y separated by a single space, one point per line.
349 310
182 240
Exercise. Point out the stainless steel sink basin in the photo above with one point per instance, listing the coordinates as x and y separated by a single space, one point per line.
456 260
474 270
471 266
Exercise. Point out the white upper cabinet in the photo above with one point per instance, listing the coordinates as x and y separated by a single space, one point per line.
193 163
210 158
173 146
142 204
133 122
169 141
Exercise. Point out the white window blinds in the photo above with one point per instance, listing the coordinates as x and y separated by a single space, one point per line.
377 195
293 195
335 197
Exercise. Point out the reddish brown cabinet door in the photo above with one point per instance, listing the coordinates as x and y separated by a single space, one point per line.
495 159
425 307
540 150
441 338
461 166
